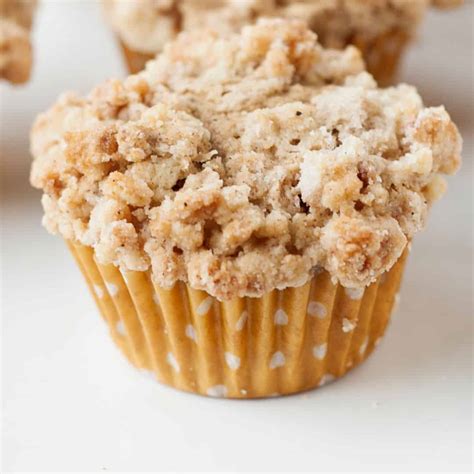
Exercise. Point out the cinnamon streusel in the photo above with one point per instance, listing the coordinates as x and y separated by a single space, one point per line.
244 164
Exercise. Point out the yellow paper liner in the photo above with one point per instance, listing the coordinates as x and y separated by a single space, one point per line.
284 342
134 60
381 54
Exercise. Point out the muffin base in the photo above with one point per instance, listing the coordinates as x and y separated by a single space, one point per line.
286 342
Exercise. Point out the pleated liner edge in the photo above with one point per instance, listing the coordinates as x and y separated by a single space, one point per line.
284 342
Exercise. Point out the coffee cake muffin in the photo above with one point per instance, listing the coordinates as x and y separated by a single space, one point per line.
16 17
242 209
379 28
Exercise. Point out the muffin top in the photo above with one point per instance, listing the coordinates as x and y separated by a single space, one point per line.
244 164
146 25
16 17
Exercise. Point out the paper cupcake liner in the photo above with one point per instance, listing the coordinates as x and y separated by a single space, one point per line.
134 60
382 54
284 342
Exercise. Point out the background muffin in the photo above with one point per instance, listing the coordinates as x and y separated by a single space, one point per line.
16 17
257 181
379 28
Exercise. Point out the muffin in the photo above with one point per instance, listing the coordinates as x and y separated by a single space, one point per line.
379 28
15 47
242 209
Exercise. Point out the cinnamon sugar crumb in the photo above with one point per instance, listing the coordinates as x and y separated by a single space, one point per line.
244 164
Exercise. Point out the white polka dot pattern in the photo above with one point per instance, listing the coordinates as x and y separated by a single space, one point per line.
319 351
232 360
111 288
99 291
204 306
348 325
224 364
326 378
278 360
217 391
317 309
171 359
191 332
239 325
354 293
363 347
120 328
281 318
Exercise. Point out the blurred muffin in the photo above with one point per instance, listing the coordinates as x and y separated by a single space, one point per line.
16 17
379 28
242 209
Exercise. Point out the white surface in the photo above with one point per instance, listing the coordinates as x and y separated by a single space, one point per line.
70 402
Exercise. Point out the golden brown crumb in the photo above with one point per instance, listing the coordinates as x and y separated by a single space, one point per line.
244 164
15 47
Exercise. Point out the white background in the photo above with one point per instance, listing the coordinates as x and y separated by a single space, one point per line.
70 402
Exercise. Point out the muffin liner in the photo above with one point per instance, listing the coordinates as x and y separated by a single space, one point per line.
284 342
134 60
382 54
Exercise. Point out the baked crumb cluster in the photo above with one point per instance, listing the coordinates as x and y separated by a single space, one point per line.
146 25
244 164
16 18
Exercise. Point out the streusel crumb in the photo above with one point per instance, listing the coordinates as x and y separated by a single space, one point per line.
15 48
244 164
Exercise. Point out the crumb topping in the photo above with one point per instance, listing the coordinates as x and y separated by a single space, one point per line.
146 25
244 164
15 48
